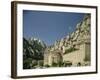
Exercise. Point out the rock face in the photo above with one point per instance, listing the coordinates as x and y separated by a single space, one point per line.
33 52
77 44
80 35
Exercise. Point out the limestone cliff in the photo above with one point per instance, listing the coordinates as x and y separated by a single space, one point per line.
80 35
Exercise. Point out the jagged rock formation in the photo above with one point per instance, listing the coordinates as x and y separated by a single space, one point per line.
33 52
80 35
74 43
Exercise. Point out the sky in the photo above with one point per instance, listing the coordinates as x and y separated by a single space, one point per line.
49 26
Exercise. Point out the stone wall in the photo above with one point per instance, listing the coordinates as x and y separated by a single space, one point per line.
79 56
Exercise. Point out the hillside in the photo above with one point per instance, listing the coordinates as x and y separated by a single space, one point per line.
80 35
33 50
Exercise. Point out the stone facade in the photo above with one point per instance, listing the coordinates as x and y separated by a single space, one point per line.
80 56
51 57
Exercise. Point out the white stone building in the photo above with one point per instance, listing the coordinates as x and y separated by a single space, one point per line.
80 56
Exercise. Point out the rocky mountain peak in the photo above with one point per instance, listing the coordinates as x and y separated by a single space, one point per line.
81 34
